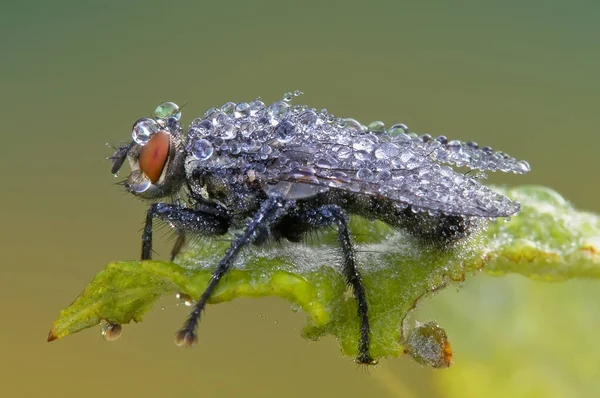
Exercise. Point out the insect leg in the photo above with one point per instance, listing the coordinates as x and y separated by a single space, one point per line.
178 244
327 215
271 210
182 219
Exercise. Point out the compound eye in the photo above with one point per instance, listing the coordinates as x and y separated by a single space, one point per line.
153 155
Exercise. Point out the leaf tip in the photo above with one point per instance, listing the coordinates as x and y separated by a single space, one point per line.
52 336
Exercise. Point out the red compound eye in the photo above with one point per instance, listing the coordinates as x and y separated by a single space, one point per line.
153 155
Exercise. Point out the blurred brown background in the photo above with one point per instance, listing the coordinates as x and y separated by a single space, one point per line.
76 74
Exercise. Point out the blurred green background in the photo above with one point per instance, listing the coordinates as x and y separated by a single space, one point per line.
518 76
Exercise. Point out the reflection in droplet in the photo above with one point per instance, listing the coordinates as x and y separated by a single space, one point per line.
256 106
277 111
377 127
399 128
202 149
285 131
228 108
111 331
242 110
165 111
139 182
186 299
143 130
228 131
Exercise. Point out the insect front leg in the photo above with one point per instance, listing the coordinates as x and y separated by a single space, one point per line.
269 213
182 219
327 215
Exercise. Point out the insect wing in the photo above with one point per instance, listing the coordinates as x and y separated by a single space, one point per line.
408 178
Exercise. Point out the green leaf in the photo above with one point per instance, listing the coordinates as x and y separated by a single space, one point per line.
516 337
548 240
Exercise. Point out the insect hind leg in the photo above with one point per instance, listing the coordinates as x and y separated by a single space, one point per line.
325 216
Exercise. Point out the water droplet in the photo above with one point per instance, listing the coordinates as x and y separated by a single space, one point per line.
442 139
299 108
186 299
523 166
167 110
277 111
399 128
139 182
228 131
143 130
256 106
307 120
228 108
298 93
201 149
354 124
377 127
327 162
363 143
204 129
235 148
454 146
364 174
111 331
265 151
242 110
285 131
343 152
384 175
209 113
220 119
259 167
287 97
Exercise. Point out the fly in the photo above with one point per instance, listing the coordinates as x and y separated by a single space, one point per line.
277 172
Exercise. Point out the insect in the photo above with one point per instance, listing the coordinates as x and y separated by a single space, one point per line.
280 171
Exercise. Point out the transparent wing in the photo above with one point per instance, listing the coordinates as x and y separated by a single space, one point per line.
468 154
385 170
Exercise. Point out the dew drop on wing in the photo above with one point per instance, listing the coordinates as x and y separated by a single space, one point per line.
285 131
397 129
294 190
364 174
242 110
277 111
228 108
256 107
377 127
